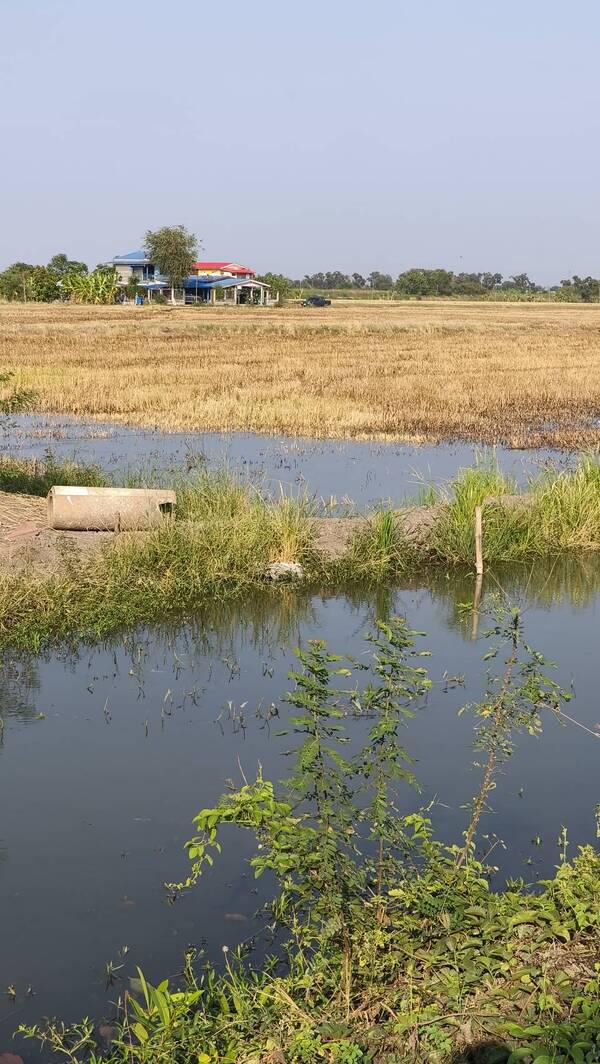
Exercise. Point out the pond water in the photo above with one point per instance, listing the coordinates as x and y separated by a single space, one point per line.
107 752
343 470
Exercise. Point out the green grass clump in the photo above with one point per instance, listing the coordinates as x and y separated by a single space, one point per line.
565 515
35 476
246 528
379 551
506 533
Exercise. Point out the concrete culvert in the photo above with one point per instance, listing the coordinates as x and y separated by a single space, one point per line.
80 509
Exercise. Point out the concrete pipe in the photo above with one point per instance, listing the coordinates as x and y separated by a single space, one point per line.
108 509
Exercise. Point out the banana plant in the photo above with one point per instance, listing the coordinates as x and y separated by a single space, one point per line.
98 287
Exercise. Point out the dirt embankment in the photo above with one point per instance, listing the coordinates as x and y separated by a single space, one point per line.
334 534
27 542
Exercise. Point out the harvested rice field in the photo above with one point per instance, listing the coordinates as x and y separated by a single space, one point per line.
525 375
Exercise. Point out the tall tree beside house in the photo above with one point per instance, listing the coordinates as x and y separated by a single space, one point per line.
173 250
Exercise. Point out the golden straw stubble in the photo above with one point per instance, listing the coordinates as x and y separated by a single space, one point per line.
522 374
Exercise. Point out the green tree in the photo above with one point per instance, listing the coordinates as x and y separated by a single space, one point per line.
61 265
441 282
337 279
314 280
468 284
280 284
491 280
415 283
587 289
521 282
173 250
13 281
42 285
382 282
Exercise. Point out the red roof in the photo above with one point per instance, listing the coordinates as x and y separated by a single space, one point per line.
231 267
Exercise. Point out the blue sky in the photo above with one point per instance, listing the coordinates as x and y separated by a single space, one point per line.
298 137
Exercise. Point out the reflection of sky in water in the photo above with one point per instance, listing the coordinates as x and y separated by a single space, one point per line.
97 797
347 470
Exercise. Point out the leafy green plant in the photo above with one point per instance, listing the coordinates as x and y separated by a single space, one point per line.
513 701
99 287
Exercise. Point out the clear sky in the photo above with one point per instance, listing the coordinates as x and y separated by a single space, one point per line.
297 137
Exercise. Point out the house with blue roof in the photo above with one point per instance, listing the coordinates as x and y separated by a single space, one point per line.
134 264
211 282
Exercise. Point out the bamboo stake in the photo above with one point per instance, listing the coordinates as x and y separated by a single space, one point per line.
478 538
476 603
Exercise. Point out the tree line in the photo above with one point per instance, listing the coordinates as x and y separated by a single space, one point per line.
420 283
174 249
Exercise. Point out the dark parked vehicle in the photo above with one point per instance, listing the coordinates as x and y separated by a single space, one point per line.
316 301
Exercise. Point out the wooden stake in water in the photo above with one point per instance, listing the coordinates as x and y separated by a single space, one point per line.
478 541
476 603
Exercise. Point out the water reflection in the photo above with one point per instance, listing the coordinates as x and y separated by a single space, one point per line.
19 684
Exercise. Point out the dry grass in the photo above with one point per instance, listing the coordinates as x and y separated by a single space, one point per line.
524 374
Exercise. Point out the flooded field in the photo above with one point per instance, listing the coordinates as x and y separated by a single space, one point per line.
345 473
107 752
